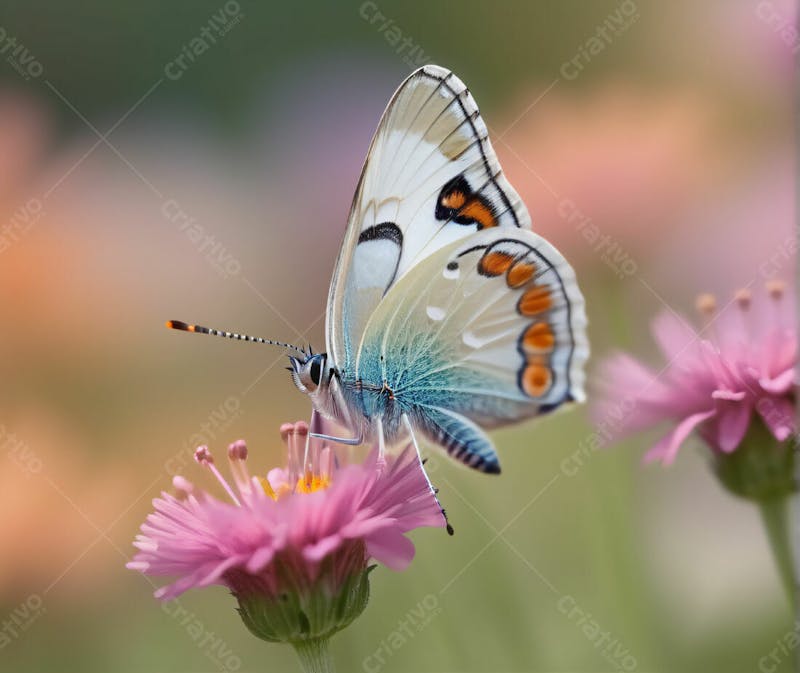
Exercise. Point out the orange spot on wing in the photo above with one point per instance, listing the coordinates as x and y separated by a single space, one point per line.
520 273
495 263
536 378
480 212
454 200
538 338
535 300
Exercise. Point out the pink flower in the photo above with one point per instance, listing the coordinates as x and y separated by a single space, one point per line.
714 380
291 546
294 523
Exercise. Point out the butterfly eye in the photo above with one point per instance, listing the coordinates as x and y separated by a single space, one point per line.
316 370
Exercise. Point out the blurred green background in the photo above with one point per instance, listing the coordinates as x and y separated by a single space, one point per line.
669 131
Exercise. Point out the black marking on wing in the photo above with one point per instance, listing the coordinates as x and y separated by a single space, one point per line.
486 165
385 231
568 304
458 191
550 267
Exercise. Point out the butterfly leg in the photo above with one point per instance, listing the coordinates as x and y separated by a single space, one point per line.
347 421
434 490
314 425
381 441
348 441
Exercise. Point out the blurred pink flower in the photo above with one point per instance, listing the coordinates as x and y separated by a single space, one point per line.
289 523
624 160
711 384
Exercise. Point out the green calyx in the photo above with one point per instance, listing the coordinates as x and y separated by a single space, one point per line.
761 468
299 614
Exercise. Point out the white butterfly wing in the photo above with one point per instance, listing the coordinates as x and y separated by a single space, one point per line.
431 178
485 331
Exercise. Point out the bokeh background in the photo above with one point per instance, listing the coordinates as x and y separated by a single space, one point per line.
674 139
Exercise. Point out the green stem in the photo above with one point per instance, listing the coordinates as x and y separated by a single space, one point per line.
314 655
774 514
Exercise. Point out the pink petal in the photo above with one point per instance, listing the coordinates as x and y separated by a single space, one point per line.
779 416
213 575
732 423
623 372
673 335
779 351
667 448
631 398
782 383
183 584
364 528
260 558
728 395
721 371
321 549
391 548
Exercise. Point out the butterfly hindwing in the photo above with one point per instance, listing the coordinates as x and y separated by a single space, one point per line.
485 331
431 178
462 439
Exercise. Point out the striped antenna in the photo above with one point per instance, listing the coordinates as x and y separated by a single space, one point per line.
186 327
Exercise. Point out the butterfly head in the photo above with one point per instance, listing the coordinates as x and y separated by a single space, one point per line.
310 374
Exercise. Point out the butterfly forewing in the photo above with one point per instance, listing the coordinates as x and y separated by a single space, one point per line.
431 178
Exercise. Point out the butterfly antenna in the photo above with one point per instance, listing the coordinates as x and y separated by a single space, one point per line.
186 327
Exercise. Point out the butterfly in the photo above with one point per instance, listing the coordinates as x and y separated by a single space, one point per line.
447 315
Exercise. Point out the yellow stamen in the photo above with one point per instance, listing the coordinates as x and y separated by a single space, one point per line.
268 488
706 304
283 489
307 484
311 483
